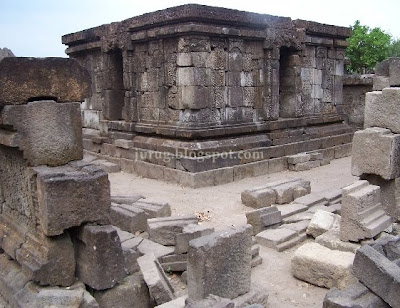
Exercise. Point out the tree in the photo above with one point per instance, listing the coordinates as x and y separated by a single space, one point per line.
366 48
394 48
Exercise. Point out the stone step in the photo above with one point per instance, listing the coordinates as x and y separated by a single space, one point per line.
128 218
376 226
292 242
370 211
280 239
291 209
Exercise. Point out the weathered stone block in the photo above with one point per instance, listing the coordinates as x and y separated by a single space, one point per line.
190 232
163 230
388 194
47 132
298 158
279 192
258 198
24 79
194 97
210 301
210 272
48 260
362 216
376 151
280 239
291 209
262 218
323 267
160 289
380 82
130 292
331 240
322 222
174 263
67 197
32 295
305 166
382 109
394 72
128 217
379 273
354 296
99 256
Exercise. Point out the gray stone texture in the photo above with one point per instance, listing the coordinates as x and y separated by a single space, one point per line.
376 151
322 222
362 213
99 256
260 219
388 194
131 215
280 239
209 269
375 268
211 301
229 74
322 266
48 133
130 292
382 109
394 72
331 240
24 79
190 232
354 296
33 295
278 192
163 230
68 197
159 286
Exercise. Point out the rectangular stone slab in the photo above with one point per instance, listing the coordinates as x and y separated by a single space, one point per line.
23 79
68 197
210 271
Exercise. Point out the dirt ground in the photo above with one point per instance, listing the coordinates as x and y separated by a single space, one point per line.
220 206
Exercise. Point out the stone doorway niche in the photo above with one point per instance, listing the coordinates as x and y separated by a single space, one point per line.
114 85
288 94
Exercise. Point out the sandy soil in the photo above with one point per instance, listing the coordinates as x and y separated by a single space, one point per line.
223 207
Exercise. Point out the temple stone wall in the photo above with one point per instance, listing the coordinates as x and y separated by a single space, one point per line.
194 78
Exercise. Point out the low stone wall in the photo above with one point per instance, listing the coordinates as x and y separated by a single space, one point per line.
354 89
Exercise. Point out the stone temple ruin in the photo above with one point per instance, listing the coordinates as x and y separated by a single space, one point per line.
202 96
196 80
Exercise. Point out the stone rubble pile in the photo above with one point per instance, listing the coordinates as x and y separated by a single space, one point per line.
66 242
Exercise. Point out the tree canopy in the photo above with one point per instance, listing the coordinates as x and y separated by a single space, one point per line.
367 47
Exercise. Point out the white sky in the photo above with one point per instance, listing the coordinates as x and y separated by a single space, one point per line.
34 27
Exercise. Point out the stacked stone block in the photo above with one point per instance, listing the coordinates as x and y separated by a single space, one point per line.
376 148
54 223
306 161
279 192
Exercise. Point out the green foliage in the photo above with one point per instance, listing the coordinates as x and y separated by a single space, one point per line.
366 47
394 48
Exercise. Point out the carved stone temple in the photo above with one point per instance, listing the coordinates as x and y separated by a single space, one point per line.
201 95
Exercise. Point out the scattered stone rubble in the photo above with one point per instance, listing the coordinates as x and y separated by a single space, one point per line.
279 192
370 276
306 161
58 246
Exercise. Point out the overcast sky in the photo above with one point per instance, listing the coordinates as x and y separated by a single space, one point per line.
34 27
